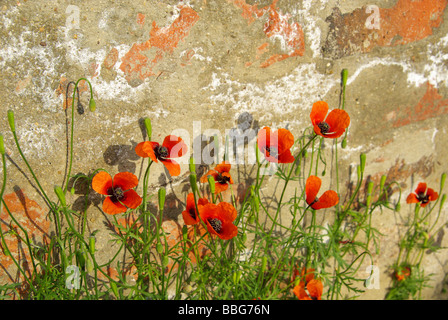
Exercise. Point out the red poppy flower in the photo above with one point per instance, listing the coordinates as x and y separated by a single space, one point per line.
219 219
402 273
334 125
315 289
276 145
119 191
328 199
172 147
308 283
221 175
190 214
422 195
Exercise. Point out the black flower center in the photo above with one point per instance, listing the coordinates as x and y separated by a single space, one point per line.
161 152
192 213
216 224
272 151
422 197
222 179
116 194
324 127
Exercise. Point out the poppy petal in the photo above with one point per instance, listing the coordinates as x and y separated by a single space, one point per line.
221 187
412 198
338 120
111 207
190 210
421 188
204 178
228 231
223 167
326 200
226 174
125 180
285 140
102 182
315 289
146 149
300 292
312 187
318 112
228 211
131 199
286 157
172 166
432 195
264 138
175 145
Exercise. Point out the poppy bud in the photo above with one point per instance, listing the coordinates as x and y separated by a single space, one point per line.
80 256
369 193
92 105
323 173
236 277
185 232
89 264
397 207
148 127
193 181
363 161
192 165
382 182
92 245
2 146
244 238
211 183
297 171
251 219
305 153
11 120
264 263
442 201
442 181
344 143
344 77
159 248
165 261
60 194
114 288
162 193
72 191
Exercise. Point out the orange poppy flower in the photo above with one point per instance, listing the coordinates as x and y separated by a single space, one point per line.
402 273
307 282
190 214
119 191
315 289
221 175
422 195
172 147
334 125
328 199
276 145
219 219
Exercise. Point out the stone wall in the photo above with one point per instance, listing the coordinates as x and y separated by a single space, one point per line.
205 67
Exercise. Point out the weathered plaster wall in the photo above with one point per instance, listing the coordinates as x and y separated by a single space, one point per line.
216 60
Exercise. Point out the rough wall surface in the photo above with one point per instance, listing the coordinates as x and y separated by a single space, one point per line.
219 63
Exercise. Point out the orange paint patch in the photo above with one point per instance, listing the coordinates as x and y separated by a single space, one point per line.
141 19
111 59
277 25
431 105
32 219
137 65
408 21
